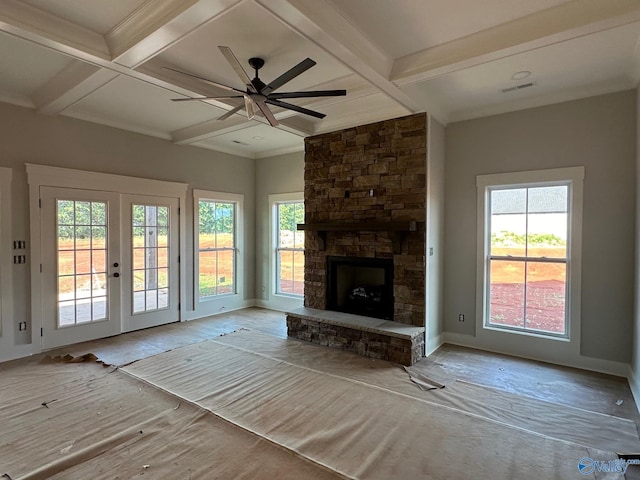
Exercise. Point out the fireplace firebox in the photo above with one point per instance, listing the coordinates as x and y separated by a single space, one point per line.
361 286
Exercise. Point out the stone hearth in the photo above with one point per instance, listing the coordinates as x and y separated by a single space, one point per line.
365 197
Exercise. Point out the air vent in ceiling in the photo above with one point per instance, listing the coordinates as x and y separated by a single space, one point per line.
518 87
239 142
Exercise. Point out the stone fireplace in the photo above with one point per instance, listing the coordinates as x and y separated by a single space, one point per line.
365 201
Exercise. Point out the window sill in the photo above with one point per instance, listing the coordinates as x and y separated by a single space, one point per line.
528 333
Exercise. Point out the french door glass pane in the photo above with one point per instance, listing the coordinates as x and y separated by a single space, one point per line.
81 261
150 269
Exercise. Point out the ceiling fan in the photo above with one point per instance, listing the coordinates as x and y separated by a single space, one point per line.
259 95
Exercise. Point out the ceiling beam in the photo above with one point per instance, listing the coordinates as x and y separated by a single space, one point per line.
30 23
158 24
546 27
70 85
322 24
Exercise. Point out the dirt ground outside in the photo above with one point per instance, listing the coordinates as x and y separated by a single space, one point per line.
544 292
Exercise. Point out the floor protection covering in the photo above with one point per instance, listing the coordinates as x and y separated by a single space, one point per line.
84 421
366 419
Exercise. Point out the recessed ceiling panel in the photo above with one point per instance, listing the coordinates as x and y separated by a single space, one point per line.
99 16
26 67
401 27
139 106
590 65
256 140
250 31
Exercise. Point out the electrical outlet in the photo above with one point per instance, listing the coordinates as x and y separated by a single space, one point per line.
22 326
461 317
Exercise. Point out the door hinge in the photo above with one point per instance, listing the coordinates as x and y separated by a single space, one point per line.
178 258
39 203
40 268
42 332
178 210
179 304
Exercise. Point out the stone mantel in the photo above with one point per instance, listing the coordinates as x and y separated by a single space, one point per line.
396 230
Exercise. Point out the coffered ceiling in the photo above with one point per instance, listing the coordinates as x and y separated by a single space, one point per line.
103 61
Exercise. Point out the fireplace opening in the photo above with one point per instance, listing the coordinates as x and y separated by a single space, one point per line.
362 286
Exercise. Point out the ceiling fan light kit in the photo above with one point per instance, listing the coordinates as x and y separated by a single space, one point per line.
258 95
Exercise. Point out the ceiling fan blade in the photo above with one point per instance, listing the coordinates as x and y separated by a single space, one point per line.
260 102
312 93
231 58
289 75
231 112
250 107
206 80
188 99
295 108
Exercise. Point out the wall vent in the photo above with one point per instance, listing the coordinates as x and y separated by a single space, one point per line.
518 87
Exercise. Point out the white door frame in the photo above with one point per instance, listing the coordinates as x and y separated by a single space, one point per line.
43 175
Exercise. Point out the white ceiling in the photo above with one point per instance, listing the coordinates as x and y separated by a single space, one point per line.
103 61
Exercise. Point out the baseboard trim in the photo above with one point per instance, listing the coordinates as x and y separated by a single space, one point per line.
16 352
432 344
599 365
634 386
188 316
279 303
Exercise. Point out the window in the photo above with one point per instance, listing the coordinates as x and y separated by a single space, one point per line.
527 251
216 238
289 248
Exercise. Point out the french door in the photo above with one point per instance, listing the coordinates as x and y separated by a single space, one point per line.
109 264
150 292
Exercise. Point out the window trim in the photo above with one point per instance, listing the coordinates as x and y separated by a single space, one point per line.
277 249
494 335
211 304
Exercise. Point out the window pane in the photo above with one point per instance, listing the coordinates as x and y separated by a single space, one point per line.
207 275
66 265
83 213
285 262
506 293
509 222
225 272
545 295
547 222
298 273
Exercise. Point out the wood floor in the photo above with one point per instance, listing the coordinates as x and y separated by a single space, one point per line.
577 388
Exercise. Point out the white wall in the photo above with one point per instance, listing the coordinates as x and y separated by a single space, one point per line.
28 137
281 174
435 234
597 132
